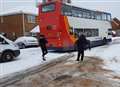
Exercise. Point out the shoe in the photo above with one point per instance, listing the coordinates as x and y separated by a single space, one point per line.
44 59
77 60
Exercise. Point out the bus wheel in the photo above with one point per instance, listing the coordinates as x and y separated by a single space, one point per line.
104 40
7 56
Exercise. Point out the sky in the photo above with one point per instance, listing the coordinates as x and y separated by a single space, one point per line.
111 6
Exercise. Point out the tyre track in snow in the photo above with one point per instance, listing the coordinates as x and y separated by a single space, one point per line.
14 77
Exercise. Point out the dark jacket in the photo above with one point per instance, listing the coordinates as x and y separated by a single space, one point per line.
42 42
82 43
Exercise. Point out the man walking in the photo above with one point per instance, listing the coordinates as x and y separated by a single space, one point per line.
82 43
42 43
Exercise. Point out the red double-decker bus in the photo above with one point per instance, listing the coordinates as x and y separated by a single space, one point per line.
61 23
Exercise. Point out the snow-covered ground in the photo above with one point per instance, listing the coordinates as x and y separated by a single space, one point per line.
32 57
110 54
28 58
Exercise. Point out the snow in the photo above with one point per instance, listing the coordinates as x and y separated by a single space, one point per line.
110 54
19 11
36 29
28 58
26 38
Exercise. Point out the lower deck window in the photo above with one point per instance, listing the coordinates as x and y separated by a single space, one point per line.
87 32
91 32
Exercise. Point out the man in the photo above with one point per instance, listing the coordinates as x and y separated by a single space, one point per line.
82 43
42 43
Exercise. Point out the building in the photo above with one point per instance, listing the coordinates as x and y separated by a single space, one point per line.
64 1
17 24
116 26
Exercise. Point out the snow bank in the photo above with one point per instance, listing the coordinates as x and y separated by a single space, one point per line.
109 53
28 58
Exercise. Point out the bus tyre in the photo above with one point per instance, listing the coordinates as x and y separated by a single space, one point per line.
7 56
104 40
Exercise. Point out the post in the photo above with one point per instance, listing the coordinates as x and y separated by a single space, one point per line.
23 19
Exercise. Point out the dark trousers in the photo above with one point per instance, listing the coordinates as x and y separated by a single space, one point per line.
80 53
44 51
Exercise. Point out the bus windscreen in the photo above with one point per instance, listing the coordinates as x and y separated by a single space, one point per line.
48 8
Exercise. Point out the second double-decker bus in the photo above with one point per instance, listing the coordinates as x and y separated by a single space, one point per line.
61 23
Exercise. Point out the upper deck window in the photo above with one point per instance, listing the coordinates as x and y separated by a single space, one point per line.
48 7
69 10
66 10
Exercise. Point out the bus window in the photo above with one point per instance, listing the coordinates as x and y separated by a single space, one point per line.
104 16
98 16
78 31
48 7
76 12
66 10
108 17
109 31
93 15
91 32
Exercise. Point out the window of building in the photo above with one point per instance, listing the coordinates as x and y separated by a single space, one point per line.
1 19
48 7
31 19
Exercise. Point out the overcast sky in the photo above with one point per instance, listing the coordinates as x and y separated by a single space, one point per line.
112 6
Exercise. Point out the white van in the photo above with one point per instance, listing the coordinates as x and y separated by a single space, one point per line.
8 50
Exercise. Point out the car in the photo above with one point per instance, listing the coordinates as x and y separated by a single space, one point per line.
26 41
8 50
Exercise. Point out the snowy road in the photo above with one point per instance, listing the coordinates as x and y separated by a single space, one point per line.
28 58
32 57
110 54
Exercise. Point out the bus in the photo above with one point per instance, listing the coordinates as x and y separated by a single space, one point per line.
62 23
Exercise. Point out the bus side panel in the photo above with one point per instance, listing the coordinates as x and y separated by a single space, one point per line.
67 40
102 26
49 26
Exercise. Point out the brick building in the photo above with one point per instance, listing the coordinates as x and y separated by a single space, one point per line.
116 26
17 23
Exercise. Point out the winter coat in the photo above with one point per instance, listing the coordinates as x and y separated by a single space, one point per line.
42 42
82 43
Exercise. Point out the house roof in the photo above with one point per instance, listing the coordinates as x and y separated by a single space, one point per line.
17 12
115 23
